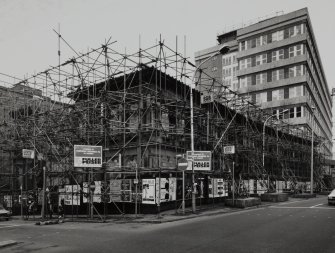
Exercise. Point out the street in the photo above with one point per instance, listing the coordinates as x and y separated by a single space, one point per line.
296 226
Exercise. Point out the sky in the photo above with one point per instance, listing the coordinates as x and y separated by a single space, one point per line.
28 43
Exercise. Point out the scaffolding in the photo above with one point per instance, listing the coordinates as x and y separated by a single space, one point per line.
137 107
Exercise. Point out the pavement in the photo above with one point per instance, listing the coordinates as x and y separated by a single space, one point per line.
297 225
166 216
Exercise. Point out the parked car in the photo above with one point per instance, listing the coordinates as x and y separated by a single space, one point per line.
4 214
331 198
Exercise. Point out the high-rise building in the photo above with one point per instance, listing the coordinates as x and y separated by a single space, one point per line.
276 63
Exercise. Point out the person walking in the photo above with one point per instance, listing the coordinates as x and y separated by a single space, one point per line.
60 213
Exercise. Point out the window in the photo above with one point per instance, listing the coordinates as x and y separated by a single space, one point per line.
274 56
243 82
258 98
298 29
248 44
281 94
298 49
295 50
291 31
264 40
292 71
292 113
261 78
275 95
258 41
298 91
281 54
280 35
298 111
249 80
248 62
242 46
274 75
277 36
298 70
264 97
281 74
292 93
261 59
242 64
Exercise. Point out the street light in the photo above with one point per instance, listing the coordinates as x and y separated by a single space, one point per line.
263 153
312 148
223 50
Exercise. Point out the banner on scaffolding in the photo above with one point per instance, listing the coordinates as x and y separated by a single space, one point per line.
27 153
87 156
201 160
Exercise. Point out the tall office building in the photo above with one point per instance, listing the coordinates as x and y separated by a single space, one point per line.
276 63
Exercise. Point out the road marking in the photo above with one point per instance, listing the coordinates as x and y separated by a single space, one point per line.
302 207
8 226
316 205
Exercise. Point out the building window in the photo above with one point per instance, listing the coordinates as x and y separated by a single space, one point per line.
248 62
242 46
275 95
292 93
264 40
277 36
264 97
249 80
261 59
281 74
292 113
298 49
260 78
281 94
298 112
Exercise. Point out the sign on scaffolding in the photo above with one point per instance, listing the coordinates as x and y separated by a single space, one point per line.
229 150
87 156
27 153
201 160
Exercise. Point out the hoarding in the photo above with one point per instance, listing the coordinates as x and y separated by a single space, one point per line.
87 156
72 195
201 160
148 191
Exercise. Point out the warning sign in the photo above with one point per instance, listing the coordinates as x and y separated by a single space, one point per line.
201 160
87 156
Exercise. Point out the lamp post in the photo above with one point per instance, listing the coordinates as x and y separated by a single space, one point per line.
223 50
263 150
312 149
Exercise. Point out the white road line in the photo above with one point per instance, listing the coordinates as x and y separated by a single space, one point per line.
9 226
316 205
301 207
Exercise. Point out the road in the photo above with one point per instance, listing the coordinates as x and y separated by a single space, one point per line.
299 226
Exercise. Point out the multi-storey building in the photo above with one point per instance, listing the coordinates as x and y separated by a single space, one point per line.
278 66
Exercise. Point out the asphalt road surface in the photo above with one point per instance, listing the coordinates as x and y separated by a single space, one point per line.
299 226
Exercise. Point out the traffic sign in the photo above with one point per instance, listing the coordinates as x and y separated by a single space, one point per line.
182 164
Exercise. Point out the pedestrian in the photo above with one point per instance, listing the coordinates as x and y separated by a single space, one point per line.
60 212
50 210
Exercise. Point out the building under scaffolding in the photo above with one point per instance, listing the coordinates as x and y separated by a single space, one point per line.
137 108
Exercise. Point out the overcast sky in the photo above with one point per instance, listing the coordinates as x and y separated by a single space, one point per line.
28 43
